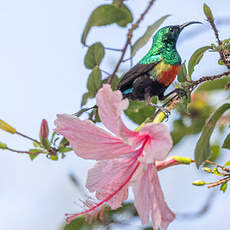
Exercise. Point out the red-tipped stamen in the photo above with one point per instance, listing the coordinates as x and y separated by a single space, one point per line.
74 216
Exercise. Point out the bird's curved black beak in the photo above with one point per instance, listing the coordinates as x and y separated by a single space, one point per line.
187 24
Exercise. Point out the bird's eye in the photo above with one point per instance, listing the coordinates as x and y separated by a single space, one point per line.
171 29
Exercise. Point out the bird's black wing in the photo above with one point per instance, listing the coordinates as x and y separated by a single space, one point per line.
135 72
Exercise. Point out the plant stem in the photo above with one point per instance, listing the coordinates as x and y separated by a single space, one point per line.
30 138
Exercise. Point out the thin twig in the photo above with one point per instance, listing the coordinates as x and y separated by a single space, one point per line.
129 37
131 58
217 165
222 181
221 51
30 138
27 152
105 72
107 48
211 21
113 49
127 59
206 78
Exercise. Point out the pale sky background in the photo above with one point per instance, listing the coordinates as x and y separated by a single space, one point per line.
42 74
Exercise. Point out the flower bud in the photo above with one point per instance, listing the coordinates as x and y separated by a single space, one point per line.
2 145
44 133
183 160
198 183
6 127
207 169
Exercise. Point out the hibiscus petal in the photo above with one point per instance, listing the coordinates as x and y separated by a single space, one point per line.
143 194
110 178
89 141
159 144
161 214
110 105
149 198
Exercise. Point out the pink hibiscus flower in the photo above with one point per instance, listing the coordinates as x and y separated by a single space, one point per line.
127 158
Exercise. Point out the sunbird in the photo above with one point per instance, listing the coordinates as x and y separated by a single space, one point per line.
153 74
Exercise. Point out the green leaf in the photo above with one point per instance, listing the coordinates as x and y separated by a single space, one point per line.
202 151
94 55
54 158
35 153
220 62
215 152
65 149
94 82
79 224
115 82
195 59
147 35
182 73
64 142
218 84
226 144
3 146
227 163
186 101
101 16
36 144
223 187
32 156
138 111
208 12
52 137
84 99
125 9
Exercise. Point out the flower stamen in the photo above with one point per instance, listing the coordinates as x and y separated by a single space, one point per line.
74 216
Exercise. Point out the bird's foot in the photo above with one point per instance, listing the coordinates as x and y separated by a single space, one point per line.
161 108
181 93
178 91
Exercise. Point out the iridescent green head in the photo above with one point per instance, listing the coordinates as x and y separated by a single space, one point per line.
164 45
167 36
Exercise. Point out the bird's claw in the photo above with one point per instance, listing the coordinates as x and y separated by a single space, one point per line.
162 109
165 111
181 93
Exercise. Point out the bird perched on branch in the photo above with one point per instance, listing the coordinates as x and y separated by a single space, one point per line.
153 74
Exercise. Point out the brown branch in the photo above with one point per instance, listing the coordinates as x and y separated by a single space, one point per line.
27 152
211 21
29 138
175 99
217 165
222 181
221 51
129 37
204 79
